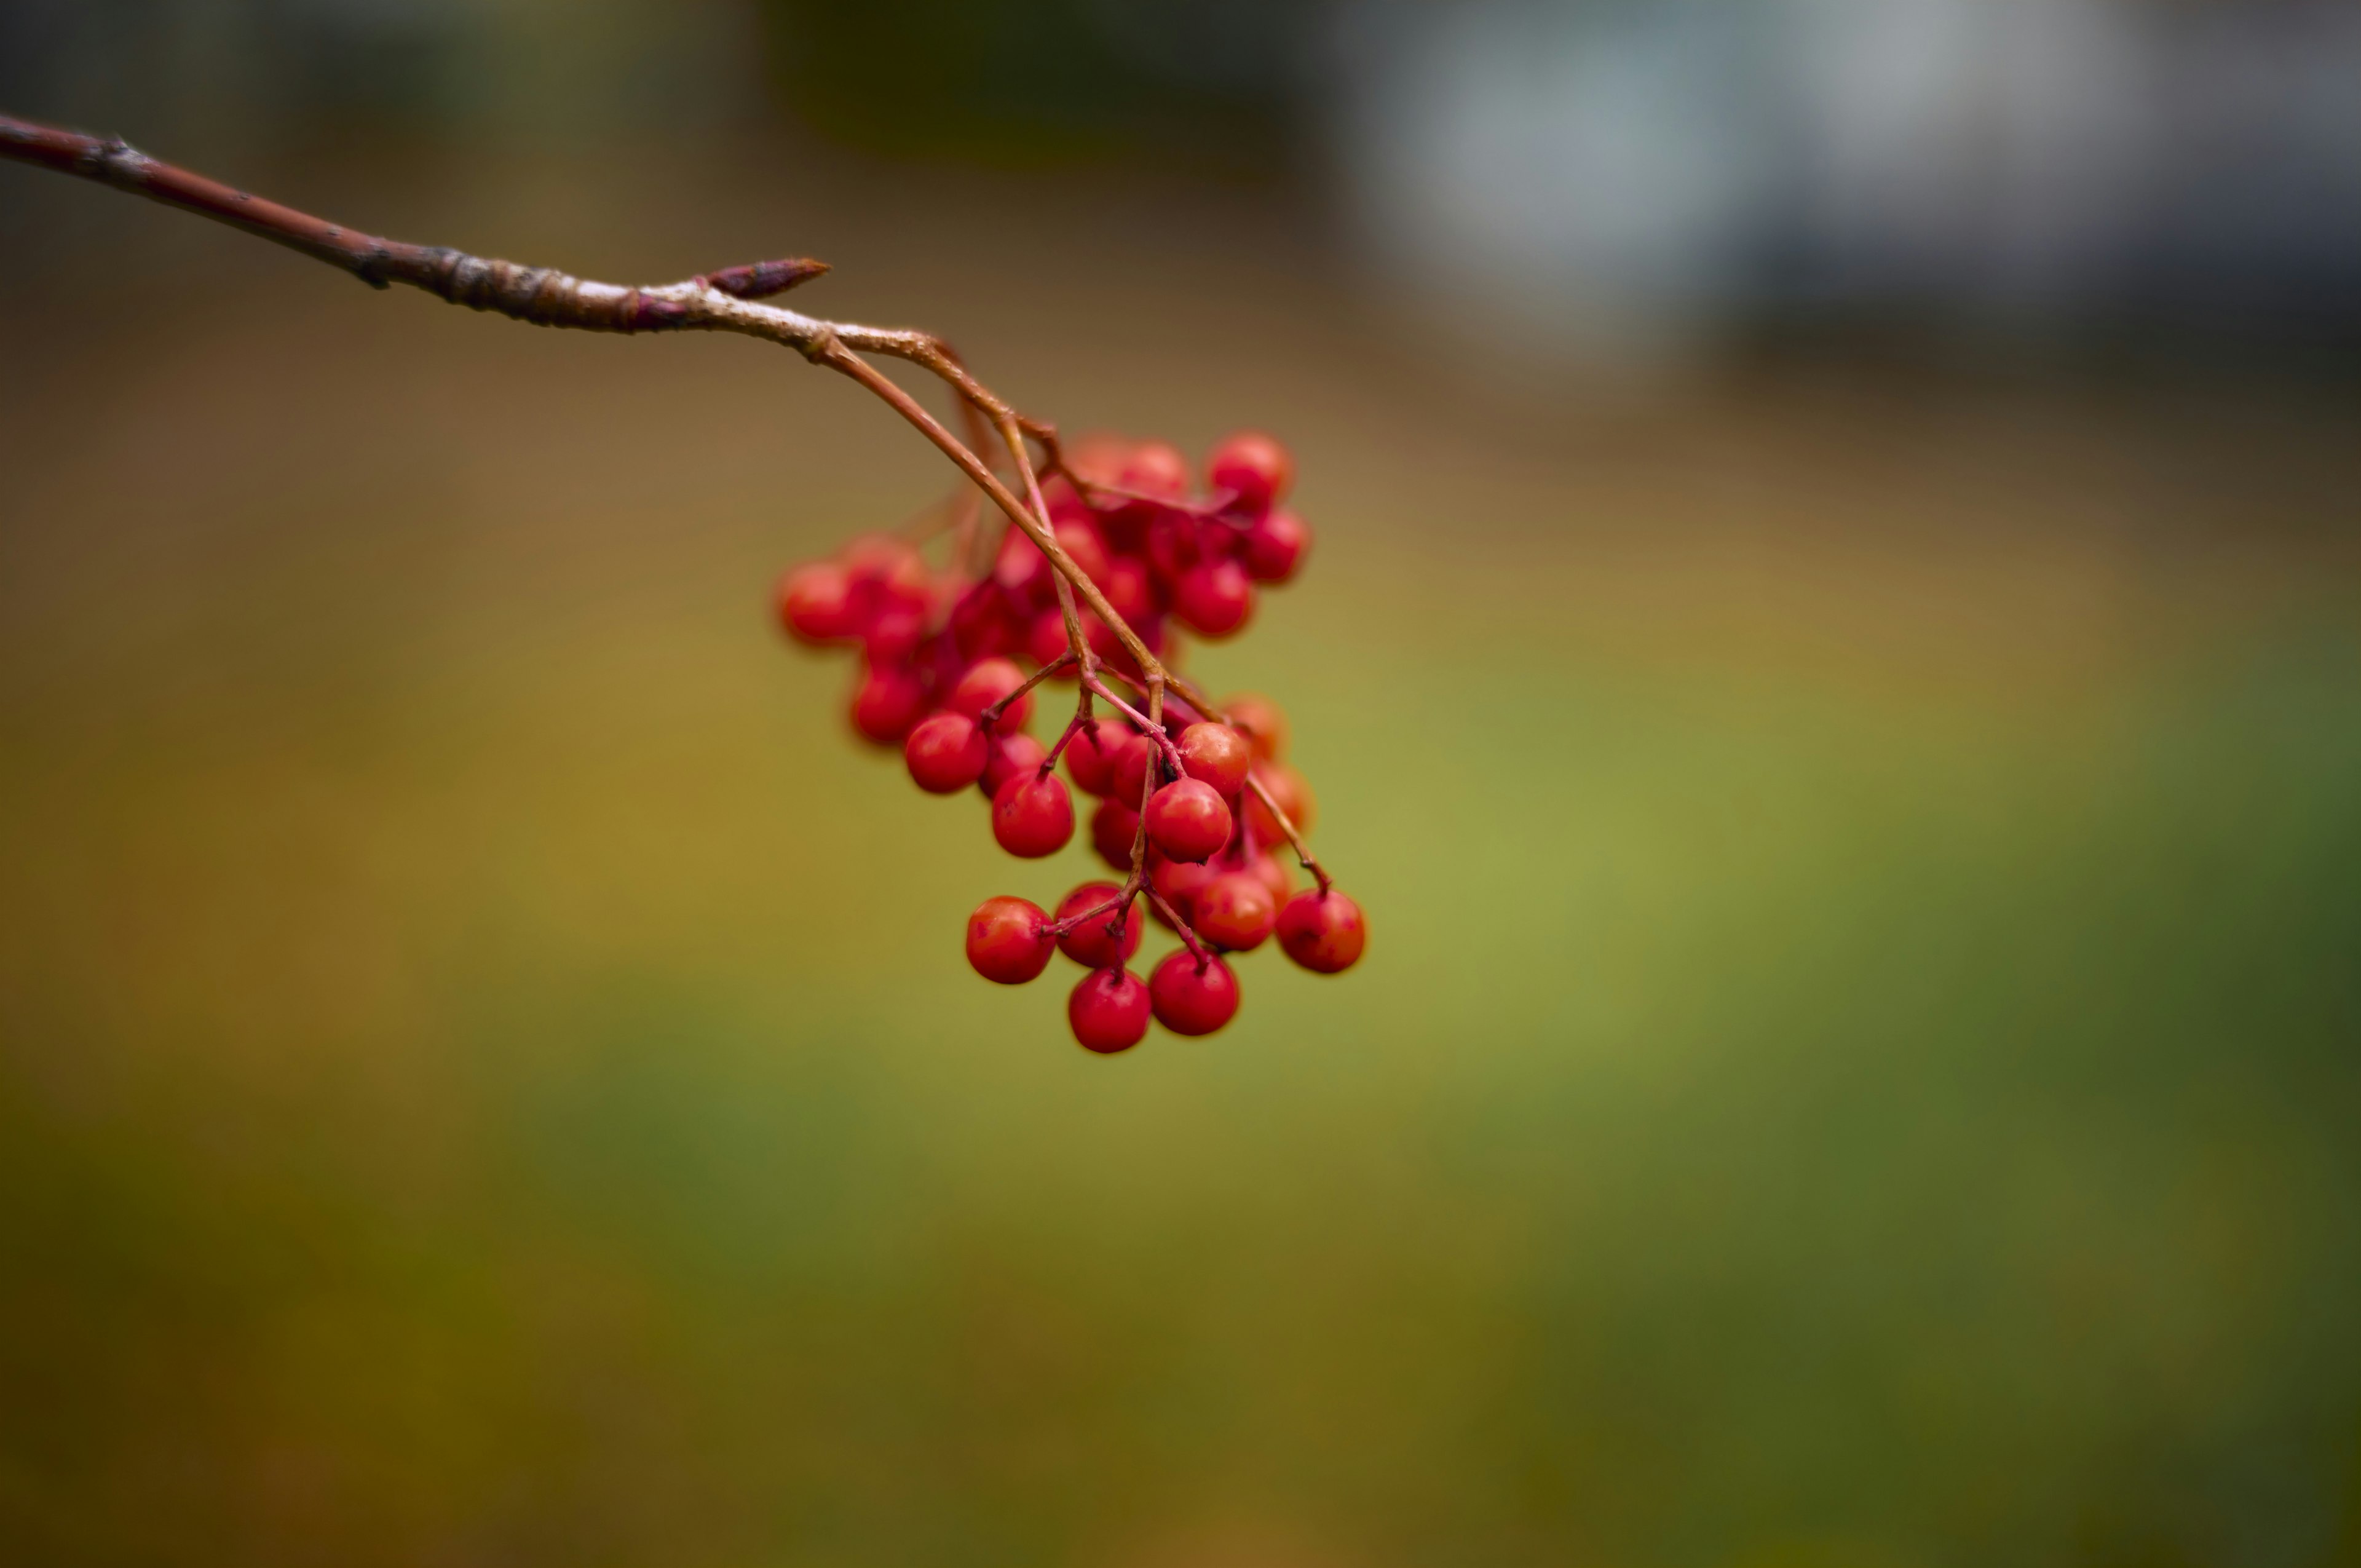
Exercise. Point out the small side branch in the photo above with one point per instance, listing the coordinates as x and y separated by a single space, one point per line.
730 299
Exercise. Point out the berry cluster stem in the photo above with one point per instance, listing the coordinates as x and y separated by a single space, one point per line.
725 300
990 717
732 299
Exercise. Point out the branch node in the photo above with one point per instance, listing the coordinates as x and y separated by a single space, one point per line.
761 280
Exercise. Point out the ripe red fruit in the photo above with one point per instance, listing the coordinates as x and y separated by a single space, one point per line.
1128 761
1117 657
985 683
894 634
1088 759
1009 940
1066 505
1172 541
879 558
1099 456
984 624
1113 828
1255 467
1193 997
1235 910
1021 570
816 604
1272 872
1260 720
945 753
1179 883
1276 545
1214 599
1046 644
1188 820
1108 1011
1011 755
1155 468
1323 932
1128 589
886 703
1293 796
1033 817
1080 540
1046 641
1089 944
1217 754
887 573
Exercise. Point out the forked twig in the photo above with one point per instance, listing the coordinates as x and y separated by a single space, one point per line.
735 299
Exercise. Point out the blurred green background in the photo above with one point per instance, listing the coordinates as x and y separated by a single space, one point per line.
1857 1064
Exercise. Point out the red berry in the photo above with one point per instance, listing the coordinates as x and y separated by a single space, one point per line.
1261 721
1099 456
1192 996
1272 872
1080 540
894 634
887 573
1217 754
1033 817
1021 570
1118 657
1252 466
1128 761
1155 468
1235 910
879 557
1325 932
1089 944
1048 643
1108 1011
1276 546
1188 820
1128 589
886 703
1115 828
1088 760
1293 795
983 624
985 683
1011 755
816 604
1179 883
1214 599
945 753
1172 546
1009 940
1066 504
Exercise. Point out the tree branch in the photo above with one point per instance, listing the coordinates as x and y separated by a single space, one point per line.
726 301
729 300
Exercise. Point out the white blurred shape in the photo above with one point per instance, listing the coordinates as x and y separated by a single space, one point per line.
1615 174
1573 177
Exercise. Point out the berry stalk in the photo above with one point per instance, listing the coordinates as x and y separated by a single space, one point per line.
1109 553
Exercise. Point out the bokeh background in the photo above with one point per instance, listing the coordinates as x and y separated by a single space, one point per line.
1833 659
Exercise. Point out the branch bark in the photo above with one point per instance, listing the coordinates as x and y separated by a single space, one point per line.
726 301
732 299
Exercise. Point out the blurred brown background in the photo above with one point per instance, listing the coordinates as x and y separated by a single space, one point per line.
1831 658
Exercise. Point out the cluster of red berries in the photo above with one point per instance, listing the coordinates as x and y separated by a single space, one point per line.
1193 809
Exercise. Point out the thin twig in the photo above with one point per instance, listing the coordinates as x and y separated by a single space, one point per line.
729 300
1295 837
726 300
